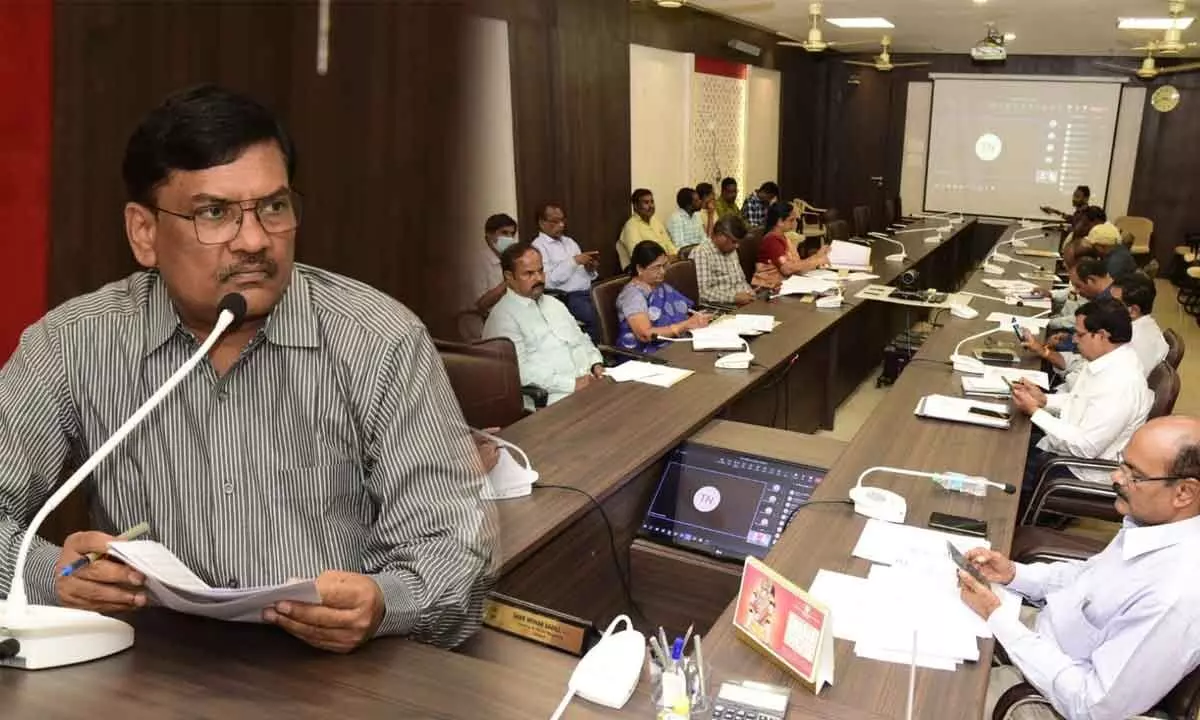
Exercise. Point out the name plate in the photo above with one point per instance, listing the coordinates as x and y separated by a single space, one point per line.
537 624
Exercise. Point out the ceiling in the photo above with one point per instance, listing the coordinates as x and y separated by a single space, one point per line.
1042 27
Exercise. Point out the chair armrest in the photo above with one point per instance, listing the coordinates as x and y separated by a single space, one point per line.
539 395
1016 696
1049 488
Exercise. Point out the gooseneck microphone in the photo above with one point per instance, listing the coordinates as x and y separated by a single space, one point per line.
51 636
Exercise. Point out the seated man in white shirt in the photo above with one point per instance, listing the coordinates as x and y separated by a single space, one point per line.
552 352
1094 418
1137 291
569 270
1116 633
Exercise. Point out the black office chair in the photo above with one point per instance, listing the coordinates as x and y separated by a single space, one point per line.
1183 702
837 230
604 297
685 252
861 216
681 275
1175 348
748 252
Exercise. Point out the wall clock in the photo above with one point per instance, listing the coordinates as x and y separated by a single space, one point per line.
1165 98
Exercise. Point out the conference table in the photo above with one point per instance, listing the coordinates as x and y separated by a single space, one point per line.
607 441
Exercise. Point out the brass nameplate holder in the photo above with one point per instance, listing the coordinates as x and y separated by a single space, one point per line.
537 624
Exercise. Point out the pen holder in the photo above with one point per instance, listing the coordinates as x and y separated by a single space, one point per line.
678 694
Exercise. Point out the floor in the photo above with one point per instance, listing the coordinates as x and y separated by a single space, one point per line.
853 413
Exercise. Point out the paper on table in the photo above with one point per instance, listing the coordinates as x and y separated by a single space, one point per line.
927 599
939 585
891 544
991 382
745 324
822 274
904 657
849 255
849 600
860 276
1036 303
1030 323
801 285
649 373
956 409
172 584
1012 286
713 337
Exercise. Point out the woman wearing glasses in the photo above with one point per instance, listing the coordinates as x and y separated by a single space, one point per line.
648 306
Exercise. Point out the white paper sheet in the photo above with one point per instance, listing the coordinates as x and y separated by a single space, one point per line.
859 276
722 337
992 380
746 323
802 285
850 255
892 544
1010 286
645 372
956 409
172 584
849 600
1035 325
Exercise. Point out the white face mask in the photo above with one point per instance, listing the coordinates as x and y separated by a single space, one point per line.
509 479
504 242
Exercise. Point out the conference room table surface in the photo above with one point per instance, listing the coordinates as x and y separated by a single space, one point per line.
607 433
894 436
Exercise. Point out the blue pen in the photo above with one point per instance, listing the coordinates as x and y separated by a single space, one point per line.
677 651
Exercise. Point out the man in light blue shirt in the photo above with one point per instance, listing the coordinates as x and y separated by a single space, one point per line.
569 270
552 352
1118 632
684 224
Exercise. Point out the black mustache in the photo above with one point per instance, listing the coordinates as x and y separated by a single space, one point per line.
264 265
539 285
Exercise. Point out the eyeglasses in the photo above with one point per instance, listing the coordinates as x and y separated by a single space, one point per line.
657 268
219 223
1128 474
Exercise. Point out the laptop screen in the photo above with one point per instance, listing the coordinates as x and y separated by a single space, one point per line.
726 503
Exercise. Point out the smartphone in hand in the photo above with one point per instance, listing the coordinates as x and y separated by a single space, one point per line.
965 565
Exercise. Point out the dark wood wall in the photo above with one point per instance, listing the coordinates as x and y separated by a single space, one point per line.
375 136
843 124
570 74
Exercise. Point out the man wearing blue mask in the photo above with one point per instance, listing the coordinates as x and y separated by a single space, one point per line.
499 233
569 270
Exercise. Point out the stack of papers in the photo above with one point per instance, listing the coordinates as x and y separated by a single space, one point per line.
172 584
850 256
803 285
826 274
1015 287
992 382
1032 324
716 337
649 373
964 410
911 593
745 324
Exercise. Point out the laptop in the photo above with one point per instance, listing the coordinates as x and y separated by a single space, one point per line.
724 503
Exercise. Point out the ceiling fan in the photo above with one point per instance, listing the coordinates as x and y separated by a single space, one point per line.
1172 42
1149 69
883 61
815 42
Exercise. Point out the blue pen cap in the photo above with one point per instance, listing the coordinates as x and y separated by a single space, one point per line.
677 649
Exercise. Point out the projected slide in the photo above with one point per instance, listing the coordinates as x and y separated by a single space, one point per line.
1006 147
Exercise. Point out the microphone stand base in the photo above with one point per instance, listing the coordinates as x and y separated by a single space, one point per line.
53 636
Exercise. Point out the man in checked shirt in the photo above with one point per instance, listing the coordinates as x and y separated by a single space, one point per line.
320 439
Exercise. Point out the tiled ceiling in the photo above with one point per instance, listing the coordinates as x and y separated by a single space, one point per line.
1042 27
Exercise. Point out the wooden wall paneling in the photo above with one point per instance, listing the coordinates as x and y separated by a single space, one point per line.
539 172
689 30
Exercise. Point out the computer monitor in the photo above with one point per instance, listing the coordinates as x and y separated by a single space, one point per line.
725 503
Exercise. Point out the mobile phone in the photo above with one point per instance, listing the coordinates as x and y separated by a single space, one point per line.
1017 329
958 524
961 561
988 413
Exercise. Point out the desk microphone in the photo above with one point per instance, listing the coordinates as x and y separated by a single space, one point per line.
51 636
896 257
634 354
881 504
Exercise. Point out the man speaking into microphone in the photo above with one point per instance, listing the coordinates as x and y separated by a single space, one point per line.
319 439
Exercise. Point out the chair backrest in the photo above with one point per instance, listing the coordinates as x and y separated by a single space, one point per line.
1164 383
837 230
1175 348
685 252
604 297
1140 227
622 257
1184 699
470 325
485 379
748 252
681 275
862 220
889 211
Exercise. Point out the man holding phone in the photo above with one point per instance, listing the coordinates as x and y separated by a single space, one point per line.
1116 633
569 269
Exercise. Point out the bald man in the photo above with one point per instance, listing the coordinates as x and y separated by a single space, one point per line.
1118 632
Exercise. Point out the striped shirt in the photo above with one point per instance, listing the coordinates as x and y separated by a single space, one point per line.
334 443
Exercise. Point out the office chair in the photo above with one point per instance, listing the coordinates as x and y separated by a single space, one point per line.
1068 495
1182 702
685 252
681 275
1142 230
604 297
470 325
812 219
487 382
1175 348
748 252
837 230
861 215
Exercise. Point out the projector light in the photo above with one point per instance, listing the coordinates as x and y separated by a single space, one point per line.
861 23
670 3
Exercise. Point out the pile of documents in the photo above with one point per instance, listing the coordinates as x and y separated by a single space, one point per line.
805 285
745 324
646 372
849 256
911 590
992 383
172 584
840 276
963 410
